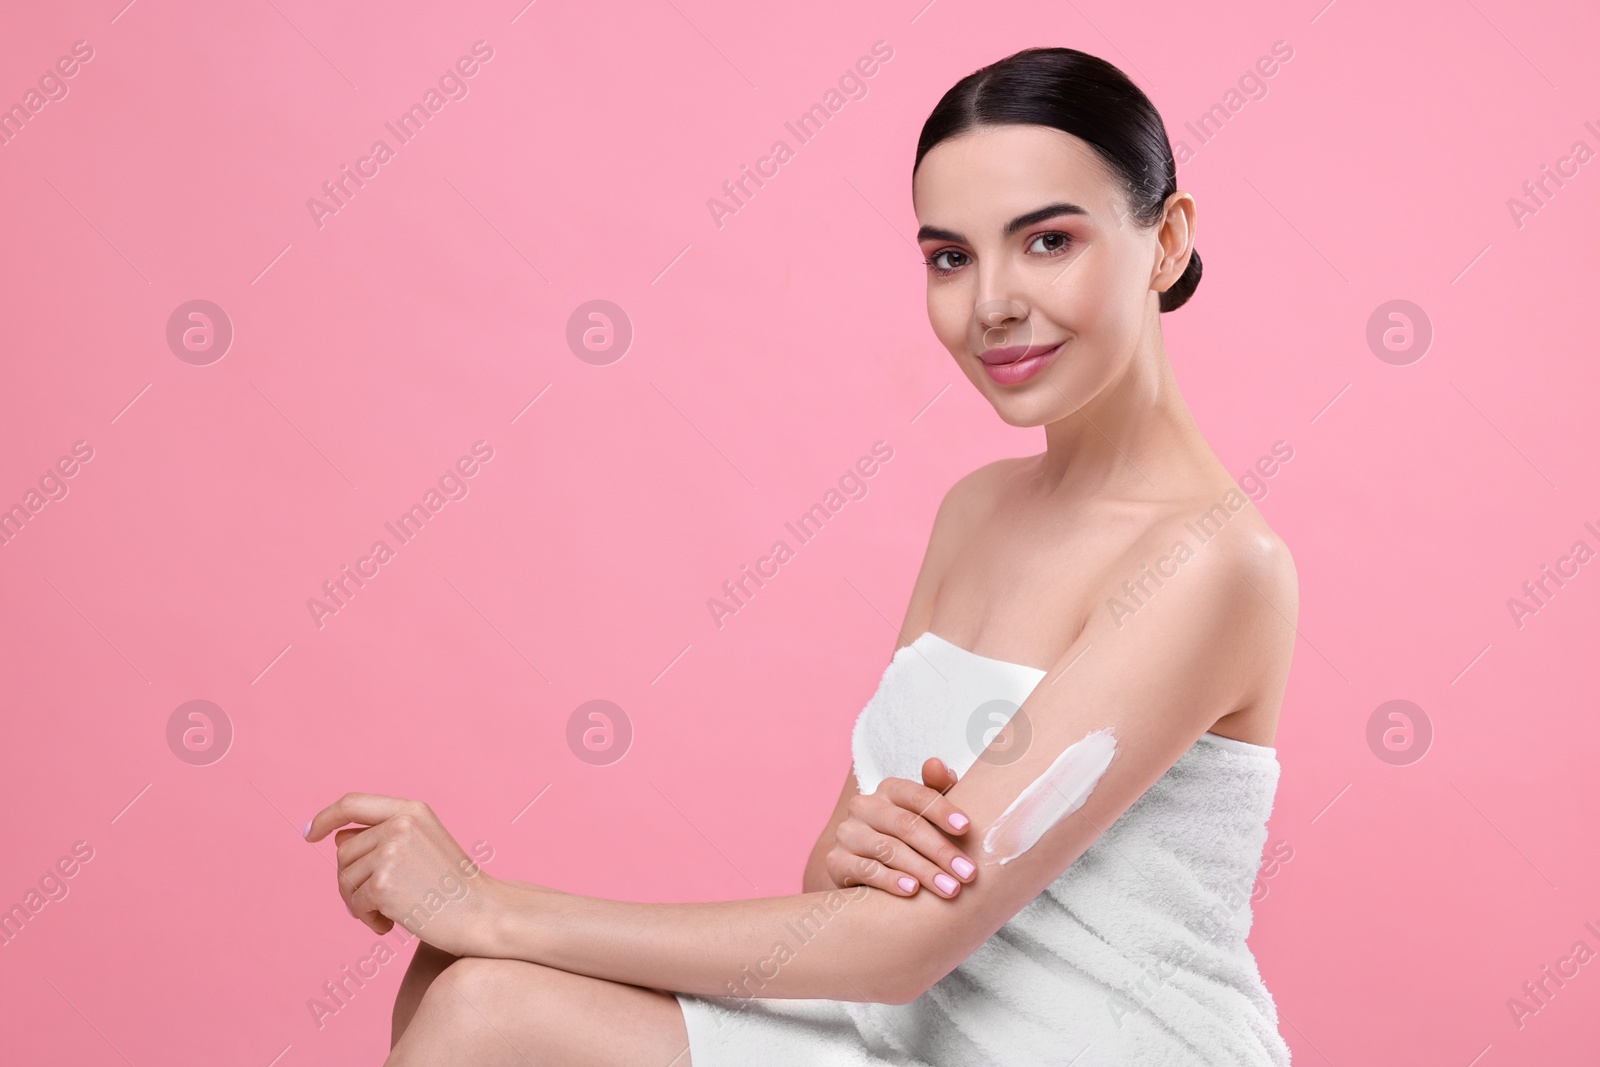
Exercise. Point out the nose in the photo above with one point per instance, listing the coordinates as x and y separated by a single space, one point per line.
1001 322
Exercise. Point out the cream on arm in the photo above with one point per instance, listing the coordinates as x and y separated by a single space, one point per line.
1122 704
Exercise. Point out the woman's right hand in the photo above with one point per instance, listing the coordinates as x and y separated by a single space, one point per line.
894 838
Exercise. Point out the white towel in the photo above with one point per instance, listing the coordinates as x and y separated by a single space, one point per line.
1135 955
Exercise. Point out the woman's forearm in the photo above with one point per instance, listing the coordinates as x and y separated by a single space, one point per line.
856 944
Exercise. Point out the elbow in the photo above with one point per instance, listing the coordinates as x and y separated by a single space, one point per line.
886 989
901 985
906 994
929 968
910 946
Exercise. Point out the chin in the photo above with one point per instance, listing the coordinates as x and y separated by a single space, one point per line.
1037 402
1028 411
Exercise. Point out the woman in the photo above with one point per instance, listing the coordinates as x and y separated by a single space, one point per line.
1118 587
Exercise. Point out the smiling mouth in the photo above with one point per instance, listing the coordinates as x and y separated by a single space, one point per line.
1000 357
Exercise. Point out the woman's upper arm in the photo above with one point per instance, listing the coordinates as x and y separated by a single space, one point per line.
1155 680
961 506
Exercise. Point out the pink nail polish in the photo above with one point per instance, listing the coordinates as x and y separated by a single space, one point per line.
958 820
946 884
306 829
963 866
907 883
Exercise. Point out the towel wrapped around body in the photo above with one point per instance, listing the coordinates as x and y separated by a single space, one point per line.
1136 954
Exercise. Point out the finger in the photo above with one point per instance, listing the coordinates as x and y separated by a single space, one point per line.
929 803
357 886
893 809
355 842
860 841
366 808
354 875
846 868
352 878
902 823
365 910
937 774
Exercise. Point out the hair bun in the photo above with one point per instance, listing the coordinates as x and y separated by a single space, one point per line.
1182 289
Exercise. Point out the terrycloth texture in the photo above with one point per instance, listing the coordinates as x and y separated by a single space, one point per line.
1135 955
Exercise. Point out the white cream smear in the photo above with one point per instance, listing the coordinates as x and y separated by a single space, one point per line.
1058 792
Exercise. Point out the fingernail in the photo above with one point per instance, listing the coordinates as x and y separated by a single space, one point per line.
963 866
946 884
306 829
958 820
908 884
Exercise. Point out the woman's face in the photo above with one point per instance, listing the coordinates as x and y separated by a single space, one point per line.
1040 285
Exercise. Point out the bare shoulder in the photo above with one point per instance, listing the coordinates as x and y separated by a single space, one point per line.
967 503
1260 559
964 507
1214 556
975 493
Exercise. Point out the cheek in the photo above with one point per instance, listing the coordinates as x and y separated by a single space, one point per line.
948 315
1086 291
1128 288
1100 300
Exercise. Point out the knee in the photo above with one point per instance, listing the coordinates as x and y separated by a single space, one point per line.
426 965
471 982
453 1010
473 991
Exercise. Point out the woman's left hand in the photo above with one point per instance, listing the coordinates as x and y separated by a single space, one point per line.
404 867
894 837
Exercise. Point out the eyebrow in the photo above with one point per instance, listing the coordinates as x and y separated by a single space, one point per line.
1021 222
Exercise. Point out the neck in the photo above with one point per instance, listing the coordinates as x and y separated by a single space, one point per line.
1134 438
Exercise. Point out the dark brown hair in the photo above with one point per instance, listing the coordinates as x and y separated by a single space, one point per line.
1092 100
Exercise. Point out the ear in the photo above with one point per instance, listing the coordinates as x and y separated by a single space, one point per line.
1175 241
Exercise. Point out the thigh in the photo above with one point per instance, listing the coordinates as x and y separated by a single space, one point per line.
488 1012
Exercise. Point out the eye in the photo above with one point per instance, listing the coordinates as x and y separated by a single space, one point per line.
1055 242
939 268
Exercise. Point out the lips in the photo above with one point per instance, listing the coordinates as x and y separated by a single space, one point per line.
999 357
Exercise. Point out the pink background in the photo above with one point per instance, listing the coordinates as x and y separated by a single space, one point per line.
768 355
